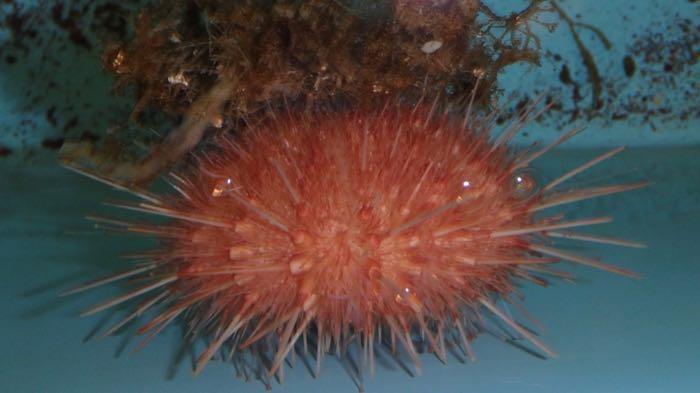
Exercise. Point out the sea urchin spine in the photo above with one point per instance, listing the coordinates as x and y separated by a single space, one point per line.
399 225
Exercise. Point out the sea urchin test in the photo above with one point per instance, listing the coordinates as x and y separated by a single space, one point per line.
351 230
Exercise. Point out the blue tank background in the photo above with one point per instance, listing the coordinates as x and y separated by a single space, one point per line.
613 334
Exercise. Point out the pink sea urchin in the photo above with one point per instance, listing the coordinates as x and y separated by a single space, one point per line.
395 227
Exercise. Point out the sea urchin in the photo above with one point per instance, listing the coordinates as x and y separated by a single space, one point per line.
397 227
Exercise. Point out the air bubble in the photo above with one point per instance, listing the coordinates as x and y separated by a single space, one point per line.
524 184
222 187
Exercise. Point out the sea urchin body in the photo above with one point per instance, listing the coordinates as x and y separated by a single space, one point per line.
394 227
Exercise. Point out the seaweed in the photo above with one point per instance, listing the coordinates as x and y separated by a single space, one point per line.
586 56
260 57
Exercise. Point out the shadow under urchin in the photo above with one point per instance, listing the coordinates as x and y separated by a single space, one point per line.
393 230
